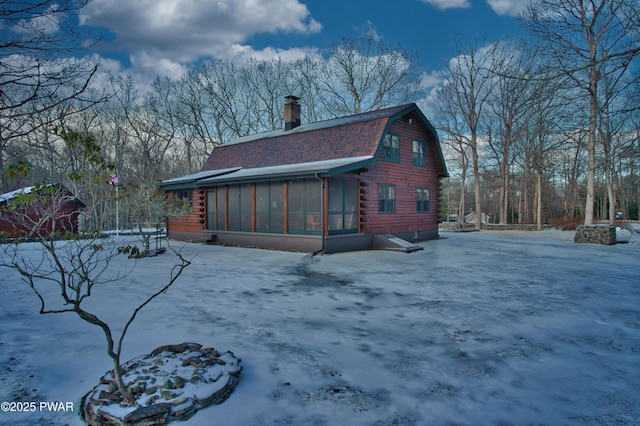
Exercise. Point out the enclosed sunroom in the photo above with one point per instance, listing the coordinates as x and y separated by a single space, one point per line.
287 207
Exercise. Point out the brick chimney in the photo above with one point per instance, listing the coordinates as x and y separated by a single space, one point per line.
291 112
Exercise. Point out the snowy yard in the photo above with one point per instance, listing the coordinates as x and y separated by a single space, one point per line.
478 328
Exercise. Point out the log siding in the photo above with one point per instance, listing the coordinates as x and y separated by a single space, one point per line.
407 178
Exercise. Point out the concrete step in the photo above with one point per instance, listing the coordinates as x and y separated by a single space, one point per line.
393 243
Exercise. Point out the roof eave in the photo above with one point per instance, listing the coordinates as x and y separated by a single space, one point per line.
190 181
250 179
284 175
178 186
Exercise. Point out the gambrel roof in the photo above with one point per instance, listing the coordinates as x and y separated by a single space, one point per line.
323 148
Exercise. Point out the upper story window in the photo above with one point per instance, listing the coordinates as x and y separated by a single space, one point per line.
418 156
391 147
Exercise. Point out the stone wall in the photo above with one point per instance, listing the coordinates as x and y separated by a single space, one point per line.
595 234
513 227
458 227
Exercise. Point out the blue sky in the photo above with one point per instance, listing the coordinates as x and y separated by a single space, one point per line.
145 38
416 25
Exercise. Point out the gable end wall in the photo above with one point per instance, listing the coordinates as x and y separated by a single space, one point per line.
406 179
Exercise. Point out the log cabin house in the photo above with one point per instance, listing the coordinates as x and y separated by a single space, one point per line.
364 181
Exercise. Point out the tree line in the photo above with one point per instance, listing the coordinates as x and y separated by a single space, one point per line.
537 129
548 126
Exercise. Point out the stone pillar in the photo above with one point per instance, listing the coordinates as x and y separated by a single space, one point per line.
595 234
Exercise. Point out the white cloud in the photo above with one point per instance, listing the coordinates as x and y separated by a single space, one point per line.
144 63
508 7
430 83
501 7
431 80
241 53
187 30
47 22
107 68
369 30
449 4
143 70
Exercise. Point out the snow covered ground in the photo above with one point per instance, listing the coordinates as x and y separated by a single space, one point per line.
478 328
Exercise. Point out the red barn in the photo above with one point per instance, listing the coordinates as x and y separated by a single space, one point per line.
39 211
352 183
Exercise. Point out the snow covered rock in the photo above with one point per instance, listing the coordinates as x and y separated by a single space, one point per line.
171 383
622 235
633 227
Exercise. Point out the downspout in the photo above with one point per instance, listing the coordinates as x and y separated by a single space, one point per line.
322 185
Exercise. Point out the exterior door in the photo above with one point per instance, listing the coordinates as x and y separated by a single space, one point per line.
211 210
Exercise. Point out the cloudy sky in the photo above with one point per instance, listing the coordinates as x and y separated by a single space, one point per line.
150 37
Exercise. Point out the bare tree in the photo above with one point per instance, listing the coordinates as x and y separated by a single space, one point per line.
615 111
306 76
511 62
74 267
225 100
149 208
149 127
269 81
37 69
543 138
584 37
196 129
222 100
469 84
367 74
455 136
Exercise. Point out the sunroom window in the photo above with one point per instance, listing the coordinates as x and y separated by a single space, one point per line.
305 207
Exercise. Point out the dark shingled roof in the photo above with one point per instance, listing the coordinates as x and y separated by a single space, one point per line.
323 148
346 137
